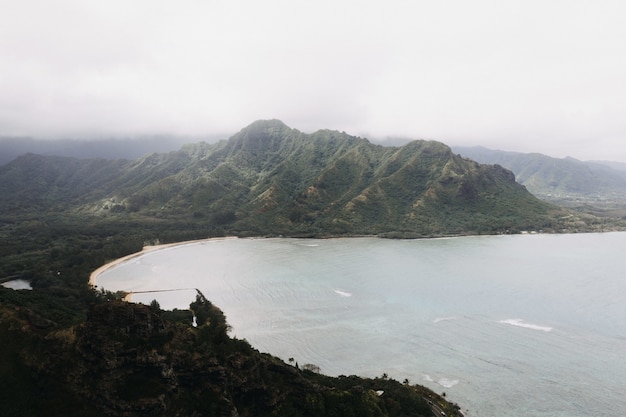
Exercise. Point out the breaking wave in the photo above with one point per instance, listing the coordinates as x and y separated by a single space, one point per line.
439 319
521 323
444 382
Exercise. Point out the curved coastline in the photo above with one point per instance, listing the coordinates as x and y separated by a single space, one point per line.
146 249
151 248
445 318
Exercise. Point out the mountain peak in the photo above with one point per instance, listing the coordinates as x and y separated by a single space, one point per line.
265 125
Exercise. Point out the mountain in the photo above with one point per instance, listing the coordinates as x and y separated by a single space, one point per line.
271 179
566 181
112 148
620 167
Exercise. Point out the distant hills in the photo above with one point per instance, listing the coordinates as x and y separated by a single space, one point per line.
272 179
566 181
107 148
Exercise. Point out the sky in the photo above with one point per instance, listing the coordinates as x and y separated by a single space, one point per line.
543 76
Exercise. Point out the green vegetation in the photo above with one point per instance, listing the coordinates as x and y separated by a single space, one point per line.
68 349
135 360
269 179
593 187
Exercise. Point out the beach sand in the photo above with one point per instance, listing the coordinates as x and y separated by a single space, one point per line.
146 249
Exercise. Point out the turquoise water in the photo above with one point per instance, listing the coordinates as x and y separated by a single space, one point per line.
527 325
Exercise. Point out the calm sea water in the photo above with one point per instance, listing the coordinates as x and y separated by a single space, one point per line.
527 325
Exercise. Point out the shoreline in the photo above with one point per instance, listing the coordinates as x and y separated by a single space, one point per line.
151 248
146 249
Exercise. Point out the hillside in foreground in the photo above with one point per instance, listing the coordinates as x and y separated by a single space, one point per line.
133 360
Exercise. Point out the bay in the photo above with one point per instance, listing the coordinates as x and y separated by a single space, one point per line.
525 325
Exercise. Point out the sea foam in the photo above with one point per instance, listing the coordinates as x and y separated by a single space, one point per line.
444 382
439 319
521 323
447 383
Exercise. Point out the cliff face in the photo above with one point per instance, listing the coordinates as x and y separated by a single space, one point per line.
135 360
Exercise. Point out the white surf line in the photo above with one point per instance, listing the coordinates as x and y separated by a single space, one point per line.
521 323
440 319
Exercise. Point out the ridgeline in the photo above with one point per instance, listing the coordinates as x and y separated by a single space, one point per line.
70 350
269 179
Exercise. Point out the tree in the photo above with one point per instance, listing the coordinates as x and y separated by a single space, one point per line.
155 306
311 367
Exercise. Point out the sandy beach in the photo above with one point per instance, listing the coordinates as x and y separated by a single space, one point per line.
146 249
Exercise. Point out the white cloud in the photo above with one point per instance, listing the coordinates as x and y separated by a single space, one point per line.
520 75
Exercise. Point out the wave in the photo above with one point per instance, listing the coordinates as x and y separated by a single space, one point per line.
438 319
521 323
343 293
444 382
447 383
308 244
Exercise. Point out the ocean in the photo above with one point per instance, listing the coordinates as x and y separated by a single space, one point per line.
523 325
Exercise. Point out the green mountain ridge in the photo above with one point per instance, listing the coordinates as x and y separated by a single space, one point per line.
271 179
565 181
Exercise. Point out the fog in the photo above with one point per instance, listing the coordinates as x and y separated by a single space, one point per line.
525 76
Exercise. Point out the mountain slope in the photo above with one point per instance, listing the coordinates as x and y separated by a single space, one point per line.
565 181
135 360
271 179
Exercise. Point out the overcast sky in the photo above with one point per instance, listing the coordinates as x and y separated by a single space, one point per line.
532 76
